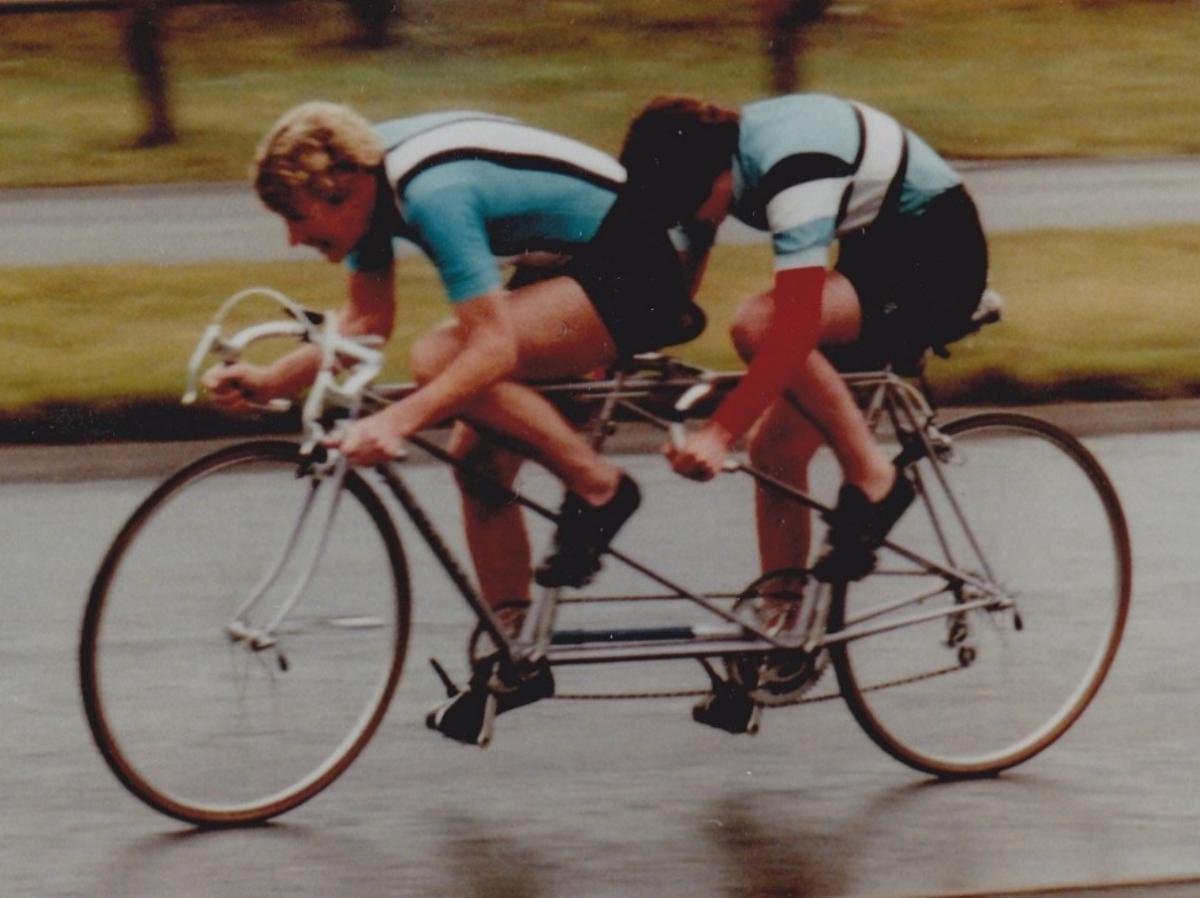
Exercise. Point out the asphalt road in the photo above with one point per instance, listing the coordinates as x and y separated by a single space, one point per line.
619 798
195 223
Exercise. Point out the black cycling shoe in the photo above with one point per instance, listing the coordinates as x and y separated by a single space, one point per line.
584 532
728 708
468 716
858 527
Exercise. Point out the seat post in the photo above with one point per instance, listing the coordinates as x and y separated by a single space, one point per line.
601 425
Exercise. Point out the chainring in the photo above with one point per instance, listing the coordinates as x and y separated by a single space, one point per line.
480 644
785 675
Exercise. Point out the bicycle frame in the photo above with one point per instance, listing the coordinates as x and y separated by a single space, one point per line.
636 390
890 398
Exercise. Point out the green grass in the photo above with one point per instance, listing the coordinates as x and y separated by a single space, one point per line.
1090 314
995 78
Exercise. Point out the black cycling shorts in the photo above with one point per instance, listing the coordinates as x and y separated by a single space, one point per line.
918 279
633 276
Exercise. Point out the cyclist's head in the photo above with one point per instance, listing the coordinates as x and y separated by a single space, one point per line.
675 150
315 149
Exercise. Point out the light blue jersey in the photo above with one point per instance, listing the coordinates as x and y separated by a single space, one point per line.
810 168
475 190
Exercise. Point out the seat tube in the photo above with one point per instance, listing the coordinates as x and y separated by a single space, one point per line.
602 422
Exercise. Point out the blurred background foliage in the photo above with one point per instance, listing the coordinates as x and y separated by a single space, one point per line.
1101 315
978 78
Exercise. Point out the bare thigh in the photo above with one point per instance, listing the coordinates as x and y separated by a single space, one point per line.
559 335
841 316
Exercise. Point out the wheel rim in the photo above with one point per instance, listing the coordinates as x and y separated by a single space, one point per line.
203 727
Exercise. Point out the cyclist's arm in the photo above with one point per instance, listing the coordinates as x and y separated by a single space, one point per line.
370 309
793 333
488 354
451 225
802 221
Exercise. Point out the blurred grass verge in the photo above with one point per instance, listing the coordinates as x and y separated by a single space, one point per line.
1001 78
100 352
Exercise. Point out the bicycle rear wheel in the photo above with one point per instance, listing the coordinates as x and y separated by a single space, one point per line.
1024 512
191 716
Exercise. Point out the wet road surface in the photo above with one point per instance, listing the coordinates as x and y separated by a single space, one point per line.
619 798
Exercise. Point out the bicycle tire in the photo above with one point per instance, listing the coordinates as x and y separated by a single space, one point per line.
202 727
1062 543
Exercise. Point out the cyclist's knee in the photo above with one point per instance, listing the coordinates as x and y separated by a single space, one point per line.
746 333
750 324
432 354
744 340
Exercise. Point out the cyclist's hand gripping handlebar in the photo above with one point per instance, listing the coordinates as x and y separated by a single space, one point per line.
354 359
301 326
359 362
693 396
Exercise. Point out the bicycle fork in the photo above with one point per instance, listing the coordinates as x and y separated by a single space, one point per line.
260 638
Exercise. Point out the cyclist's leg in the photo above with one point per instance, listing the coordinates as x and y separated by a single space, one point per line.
495 528
782 445
818 407
818 392
912 278
559 336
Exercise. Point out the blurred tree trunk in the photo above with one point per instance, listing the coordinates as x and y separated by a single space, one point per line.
142 25
785 23
373 18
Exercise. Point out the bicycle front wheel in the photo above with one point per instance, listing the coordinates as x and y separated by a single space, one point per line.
988 644
213 696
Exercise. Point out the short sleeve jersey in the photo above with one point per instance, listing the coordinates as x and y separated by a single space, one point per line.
474 191
811 168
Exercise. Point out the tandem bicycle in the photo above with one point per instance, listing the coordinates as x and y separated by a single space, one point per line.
249 624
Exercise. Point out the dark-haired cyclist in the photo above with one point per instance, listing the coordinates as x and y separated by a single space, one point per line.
910 270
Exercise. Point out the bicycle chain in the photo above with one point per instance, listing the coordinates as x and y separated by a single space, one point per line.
697 693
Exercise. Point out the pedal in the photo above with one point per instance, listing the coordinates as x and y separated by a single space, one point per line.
729 708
